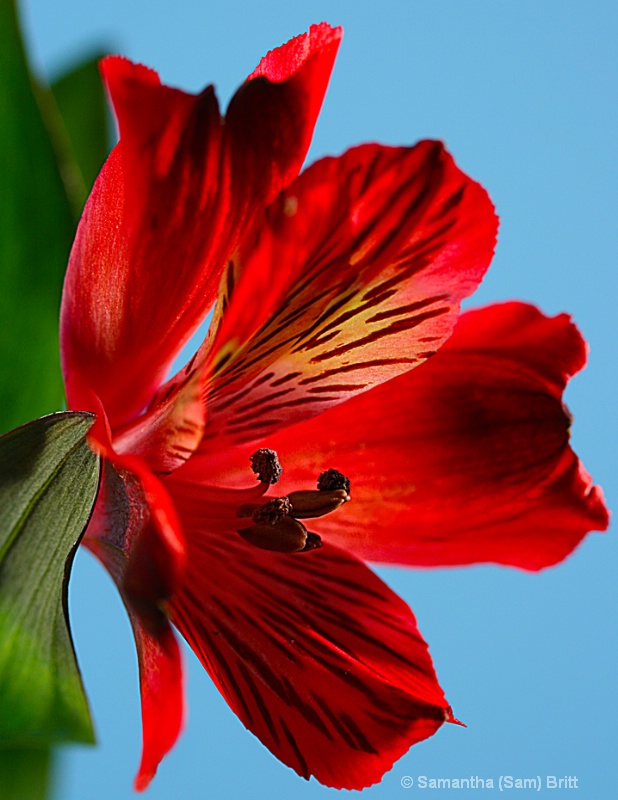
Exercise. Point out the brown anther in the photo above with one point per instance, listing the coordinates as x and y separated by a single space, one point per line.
272 511
313 542
331 480
265 464
247 509
308 504
285 536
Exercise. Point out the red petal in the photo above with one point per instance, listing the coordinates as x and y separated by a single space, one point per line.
168 434
117 526
465 460
161 686
355 276
294 79
314 653
158 554
168 209
283 62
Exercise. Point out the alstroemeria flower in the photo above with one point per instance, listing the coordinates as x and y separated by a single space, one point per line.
330 289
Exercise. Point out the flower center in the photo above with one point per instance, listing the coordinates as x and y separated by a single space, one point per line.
275 524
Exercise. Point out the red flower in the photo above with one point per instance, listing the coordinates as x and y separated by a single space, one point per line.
329 286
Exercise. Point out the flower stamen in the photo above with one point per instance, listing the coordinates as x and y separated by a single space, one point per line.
332 480
265 464
276 522
287 535
272 511
313 542
309 504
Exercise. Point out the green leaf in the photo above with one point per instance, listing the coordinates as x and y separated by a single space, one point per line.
37 223
25 774
48 484
80 99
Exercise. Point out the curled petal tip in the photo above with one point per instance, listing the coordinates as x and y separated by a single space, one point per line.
115 69
142 781
282 62
450 717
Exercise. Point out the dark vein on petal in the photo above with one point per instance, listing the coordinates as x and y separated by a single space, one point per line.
304 769
395 328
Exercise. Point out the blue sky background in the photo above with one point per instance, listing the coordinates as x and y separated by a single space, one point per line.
523 92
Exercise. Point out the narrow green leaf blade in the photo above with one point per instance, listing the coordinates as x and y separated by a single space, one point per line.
80 99
36 230
48 484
